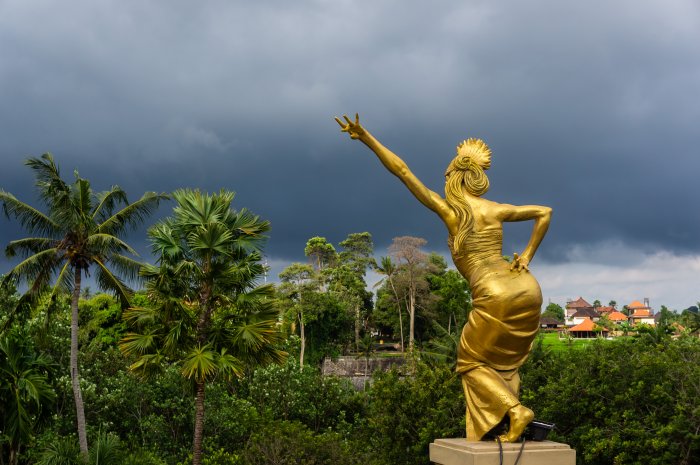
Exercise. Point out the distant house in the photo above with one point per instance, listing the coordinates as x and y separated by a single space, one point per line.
551 323
587 329
605 310
641 313
581 315
617 317
573 306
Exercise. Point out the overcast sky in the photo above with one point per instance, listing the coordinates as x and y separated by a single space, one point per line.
592 108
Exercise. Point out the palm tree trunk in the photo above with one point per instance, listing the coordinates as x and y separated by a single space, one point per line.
198 423
75 379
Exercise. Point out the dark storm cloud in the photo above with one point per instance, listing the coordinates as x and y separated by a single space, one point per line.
590 108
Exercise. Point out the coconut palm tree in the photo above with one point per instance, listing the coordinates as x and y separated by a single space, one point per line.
208 316
79 231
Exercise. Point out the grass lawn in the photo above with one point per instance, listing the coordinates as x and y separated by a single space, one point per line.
552 341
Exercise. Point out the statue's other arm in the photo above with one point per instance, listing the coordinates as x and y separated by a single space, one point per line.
541 215
399 168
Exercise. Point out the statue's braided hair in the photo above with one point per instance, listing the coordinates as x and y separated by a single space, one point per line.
466 172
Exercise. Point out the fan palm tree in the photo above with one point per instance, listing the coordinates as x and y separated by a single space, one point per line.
208 316
79 231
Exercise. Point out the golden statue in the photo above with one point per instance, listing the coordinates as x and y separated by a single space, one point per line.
507 300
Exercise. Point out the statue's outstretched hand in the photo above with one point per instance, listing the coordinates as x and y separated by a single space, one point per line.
354 129
519 263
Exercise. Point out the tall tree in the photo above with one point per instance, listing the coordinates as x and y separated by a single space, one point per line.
80 230
554 311
413 267
356 258
209 317
321 253
296 283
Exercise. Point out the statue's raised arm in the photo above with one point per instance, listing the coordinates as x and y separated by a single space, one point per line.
399 168
506 298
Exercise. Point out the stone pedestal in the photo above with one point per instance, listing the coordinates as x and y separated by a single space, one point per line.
459 451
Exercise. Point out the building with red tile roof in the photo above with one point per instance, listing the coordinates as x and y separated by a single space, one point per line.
587 329
617 317
574 306
641 313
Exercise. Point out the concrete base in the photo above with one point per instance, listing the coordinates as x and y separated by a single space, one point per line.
459 451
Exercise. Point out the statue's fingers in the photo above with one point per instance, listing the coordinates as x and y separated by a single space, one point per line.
337 120
347 119
357 118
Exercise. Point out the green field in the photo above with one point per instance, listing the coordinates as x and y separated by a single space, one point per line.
551 341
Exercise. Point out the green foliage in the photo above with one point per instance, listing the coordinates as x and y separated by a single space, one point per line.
289 443
142 457
321 253
288 393
106 450
207 315
61 451
230 420
405 414
554 311
25 392
627 401
454 299
101 321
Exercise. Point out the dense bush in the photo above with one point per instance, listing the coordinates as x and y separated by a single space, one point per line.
406 413
291 443
628 401
289 393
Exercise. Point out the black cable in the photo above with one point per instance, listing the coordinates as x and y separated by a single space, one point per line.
500 451
520 453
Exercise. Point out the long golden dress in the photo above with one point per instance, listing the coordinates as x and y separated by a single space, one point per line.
502 325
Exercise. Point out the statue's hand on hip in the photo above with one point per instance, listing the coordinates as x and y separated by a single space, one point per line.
519 263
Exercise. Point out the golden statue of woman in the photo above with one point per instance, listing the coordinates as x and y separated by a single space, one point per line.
506 298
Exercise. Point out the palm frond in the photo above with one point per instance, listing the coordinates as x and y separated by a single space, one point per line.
139 316
82 199
214 238
200 363
138 343
29 246
37 268
132 215
108 244
48 178
126 267
29 217
229 366
148 365
165 242
106 202
109 281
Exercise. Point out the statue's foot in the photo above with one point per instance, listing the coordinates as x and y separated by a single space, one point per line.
520 417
